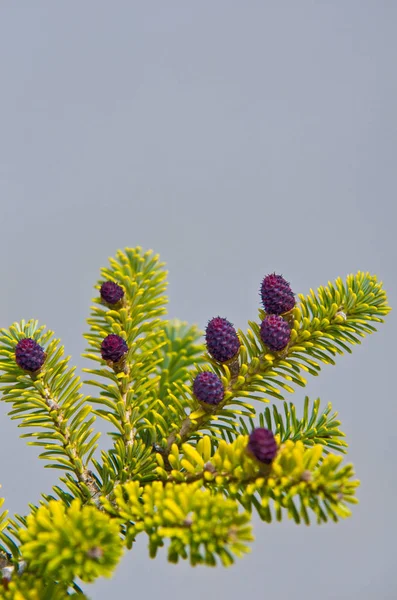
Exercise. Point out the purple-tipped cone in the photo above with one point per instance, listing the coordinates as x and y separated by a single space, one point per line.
113 348
111 292
29 355
262 445
222 340
275 333
208 388
277 296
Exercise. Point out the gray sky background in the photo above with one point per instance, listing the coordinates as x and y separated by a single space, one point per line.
236 139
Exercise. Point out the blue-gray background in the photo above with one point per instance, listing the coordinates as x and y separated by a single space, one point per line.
234 138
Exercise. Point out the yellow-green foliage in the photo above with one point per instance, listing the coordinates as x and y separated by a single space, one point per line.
30 587
50 404
300 480
200 525
64 543
177 471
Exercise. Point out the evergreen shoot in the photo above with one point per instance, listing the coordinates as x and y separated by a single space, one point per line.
190 455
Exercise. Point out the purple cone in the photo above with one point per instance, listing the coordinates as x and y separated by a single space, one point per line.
262 445
113 348
275 333
29 355
222 340
208 388
277 296
111 292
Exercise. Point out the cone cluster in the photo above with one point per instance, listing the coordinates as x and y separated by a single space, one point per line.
223 344
278 299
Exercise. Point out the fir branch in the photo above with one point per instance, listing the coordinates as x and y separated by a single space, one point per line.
30 587
323 326
129 393
179 354
64 543
163 476
50 401
200 525
313 428
298 474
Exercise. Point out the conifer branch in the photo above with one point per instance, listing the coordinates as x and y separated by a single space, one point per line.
340 314
189 462
200 525
313 428
180 351
30 587
129 394
49 399
298 474
85 542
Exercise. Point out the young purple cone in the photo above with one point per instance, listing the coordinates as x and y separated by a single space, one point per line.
262 445
113 348
277 296
111 292
222 340
208 388
275 333
29 355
